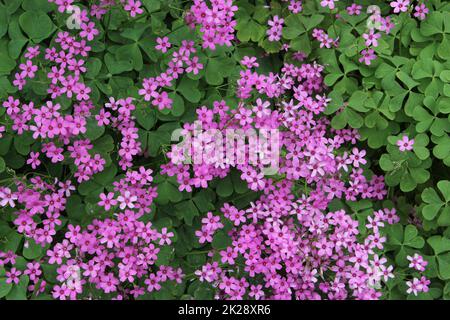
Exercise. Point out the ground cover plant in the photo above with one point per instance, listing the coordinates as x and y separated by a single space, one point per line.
99 201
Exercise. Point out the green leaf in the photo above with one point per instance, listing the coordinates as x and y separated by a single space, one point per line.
2 165
225 187
444 187
189 89
5 288
178 107
93 130
107 176
37 25
34 5
249 30
217 69
145 116
357 101
152 5
7 64
131 53
164 256
444 265
33 250
75 208
435 206
19 292
167 192
221 240
3 20
117 66
187 211
439 244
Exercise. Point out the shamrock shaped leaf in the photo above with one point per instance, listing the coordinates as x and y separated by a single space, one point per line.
187 211
7 64
442 148
426 121
217 69
117 66
189 89
248 26
420 146
404 168
403 241
294 27
441 248
37 25
437 206
5 288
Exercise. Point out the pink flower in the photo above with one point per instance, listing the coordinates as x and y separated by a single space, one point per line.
163 44
400 5
28 69
414 286
354 9
34 160
367 56
12 276
107 200
194 66
249 62
88 31
371 38
417 262
161 100
228 255
7 197
134 7
405 144
328 3
126 200
165 237
420 11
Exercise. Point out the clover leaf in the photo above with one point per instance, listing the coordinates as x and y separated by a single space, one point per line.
37 25
437 206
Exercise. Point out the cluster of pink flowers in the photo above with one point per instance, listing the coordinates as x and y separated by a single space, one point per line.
420 10
210 224
292 242
58 129
385 25
100 8
132 192
300 250
324 39
416 285
181 63
33 271
287 244
308 153
417 262
39 207
124 122
216 22
276 28
117 255
376 22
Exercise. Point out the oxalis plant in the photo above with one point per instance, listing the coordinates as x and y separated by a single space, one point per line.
349 105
